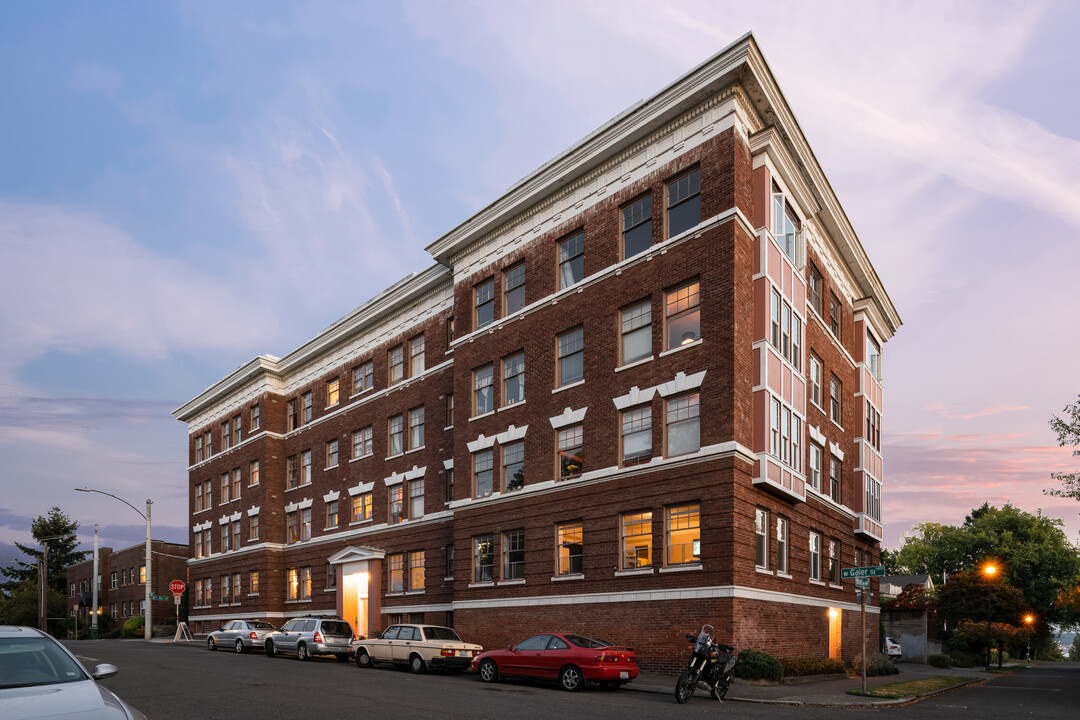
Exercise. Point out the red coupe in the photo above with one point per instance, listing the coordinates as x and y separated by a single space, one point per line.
572 660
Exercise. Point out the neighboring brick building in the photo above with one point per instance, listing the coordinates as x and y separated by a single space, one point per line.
121 592
698 440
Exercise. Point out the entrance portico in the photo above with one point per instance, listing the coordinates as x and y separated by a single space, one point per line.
359 579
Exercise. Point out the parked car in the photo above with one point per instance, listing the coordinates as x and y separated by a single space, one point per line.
40 678
241 635
309 636
892 649
572 660
420 647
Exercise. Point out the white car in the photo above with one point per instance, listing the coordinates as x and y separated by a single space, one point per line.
418 647
892 649
40 678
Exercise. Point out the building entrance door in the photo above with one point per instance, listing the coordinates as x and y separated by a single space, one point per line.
354 600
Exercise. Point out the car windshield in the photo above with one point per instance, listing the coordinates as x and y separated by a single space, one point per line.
336 628
582 641
260 625
36 661
440 633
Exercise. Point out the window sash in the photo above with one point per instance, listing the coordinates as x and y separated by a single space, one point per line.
683 425
514 555
483 559
761 538
483 473
571 356
682 311
514 466
637 227
572 260
416 356
571 451
570 550
636 540
636 435
683 535
514 379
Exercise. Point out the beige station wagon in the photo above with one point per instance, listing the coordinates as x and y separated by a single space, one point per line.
419 647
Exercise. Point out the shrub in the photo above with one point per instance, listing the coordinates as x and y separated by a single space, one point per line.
812 666
878 664
133 627
938 660
962 658
756 665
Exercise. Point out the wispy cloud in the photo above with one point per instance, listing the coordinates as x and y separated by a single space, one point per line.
948 411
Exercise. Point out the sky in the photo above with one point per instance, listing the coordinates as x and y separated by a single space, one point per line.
187 185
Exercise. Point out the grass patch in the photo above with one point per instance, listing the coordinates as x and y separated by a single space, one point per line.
895 691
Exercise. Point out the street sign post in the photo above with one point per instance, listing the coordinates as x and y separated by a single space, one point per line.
862 577
868 571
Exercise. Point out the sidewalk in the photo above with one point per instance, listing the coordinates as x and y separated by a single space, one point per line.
828 692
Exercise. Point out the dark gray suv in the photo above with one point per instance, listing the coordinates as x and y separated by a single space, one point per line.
309 636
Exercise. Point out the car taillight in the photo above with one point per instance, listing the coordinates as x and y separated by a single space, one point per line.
448 653
318 636
606 658
253 636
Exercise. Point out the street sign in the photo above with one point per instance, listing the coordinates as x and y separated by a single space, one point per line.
159 597
869 571
862 582
177 586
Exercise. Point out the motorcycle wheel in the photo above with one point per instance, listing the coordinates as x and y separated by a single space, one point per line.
719 690
685 686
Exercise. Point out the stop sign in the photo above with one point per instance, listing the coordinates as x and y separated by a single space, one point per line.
177 586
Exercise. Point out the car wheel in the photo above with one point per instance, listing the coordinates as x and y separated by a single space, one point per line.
210 644
301 652
362 658
571 679
488 671
269 649
416 664
239 646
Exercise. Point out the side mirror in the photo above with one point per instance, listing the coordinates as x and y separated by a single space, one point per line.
104 671
510 647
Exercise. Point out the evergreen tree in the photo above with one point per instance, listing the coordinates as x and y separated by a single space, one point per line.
62 534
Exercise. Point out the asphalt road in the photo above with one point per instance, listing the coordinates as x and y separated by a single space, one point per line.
184 682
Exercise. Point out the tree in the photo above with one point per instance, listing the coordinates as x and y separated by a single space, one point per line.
62 534
936 550
1068 434
967 597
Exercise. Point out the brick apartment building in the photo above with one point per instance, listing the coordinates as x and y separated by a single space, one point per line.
121 575
699 436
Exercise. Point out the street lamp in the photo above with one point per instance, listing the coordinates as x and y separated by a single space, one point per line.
149 574
1028 619
989 570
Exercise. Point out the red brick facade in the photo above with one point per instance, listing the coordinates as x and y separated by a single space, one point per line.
720 465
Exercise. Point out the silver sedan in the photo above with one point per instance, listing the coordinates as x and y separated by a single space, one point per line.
240 635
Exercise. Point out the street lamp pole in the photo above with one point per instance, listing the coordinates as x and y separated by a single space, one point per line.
1028 620
147 621
989 570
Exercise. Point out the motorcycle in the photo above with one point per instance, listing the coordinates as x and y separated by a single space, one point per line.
711 663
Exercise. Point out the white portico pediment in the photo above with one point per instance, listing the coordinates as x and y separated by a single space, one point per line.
355 553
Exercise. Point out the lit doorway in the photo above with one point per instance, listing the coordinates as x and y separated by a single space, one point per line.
358 571
835 623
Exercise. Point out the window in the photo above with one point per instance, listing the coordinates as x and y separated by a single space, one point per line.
292 415
684 202
236 484
253 527
637 227
786 435
815 556
859 557
207 441
361 442
571 356
816 289
834 315
513 466
683 535
235 540
416 428
299 583
449 422
224 543
636 330
395 360
305 467
485 303
112 580
835 471
416 499
236 588
483 464
815 379
225 485
396 436
835 394
786 330
142 574
332 514
292 527
255 421
873 498
331 577
781 545
253 473
761 539
198 449
198 497
206 541
363 377
816 454
873 427
785 224
305 407
683 425
571 260
397 504
514 289
514 379
416 570
332 392
483 559
225 594
416 356
305 524
873 356
636 540
513 546
570 559
449 485
450 333
225 436
636 435
332 453
483 379
571 451
449 562
361 507
834 561
396 568
682 315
